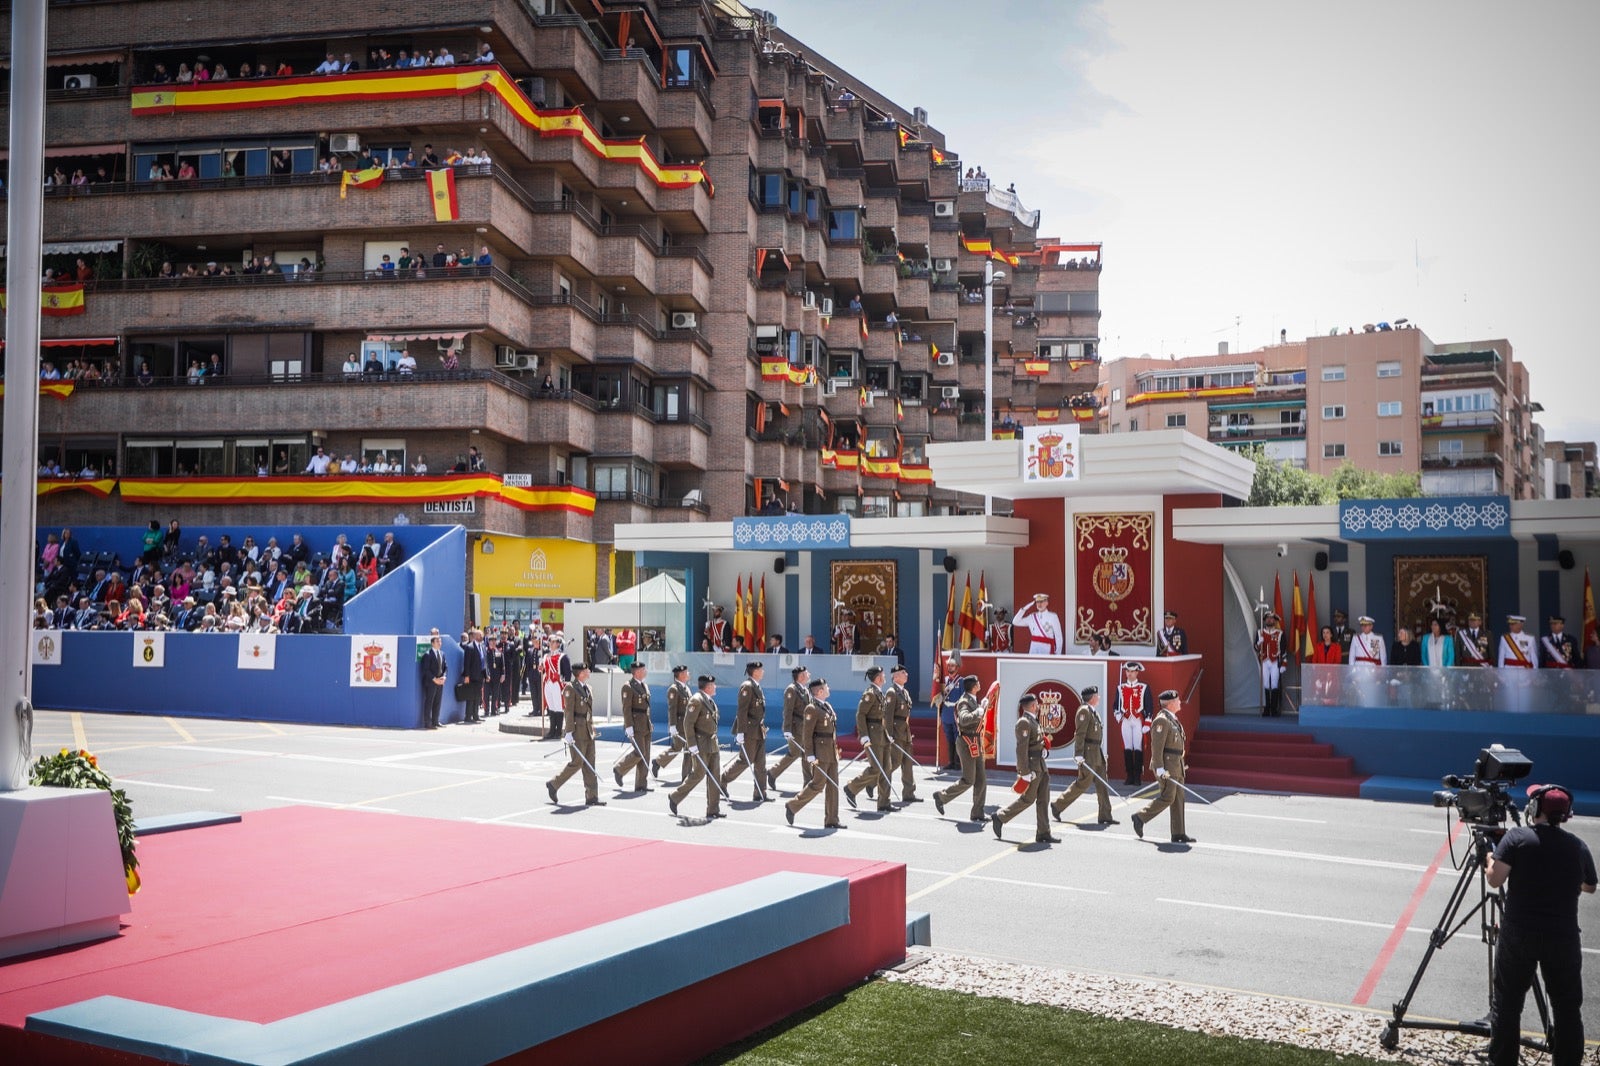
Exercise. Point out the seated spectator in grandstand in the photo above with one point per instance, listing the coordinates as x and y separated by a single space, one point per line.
485 54
352 367
87 615
210 620
351 577
1326 648
1406 651
318 466
1439 646
227 554
41 613
329 65
341 550
160 602
131 616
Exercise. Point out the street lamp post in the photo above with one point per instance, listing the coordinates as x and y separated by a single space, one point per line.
990 276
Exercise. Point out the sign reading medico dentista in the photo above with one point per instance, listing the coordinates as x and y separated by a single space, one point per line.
533 567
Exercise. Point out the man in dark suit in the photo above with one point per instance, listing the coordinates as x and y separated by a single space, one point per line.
891 646
390 554
473 671
433 673
775 645
809 647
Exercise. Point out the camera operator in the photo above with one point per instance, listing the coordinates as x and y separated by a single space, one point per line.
1546 868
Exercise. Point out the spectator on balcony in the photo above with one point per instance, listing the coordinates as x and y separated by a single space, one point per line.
318 466
214 369
373 368
348 65
307 270
347 466
185 75
474 460
197 373
484 262
855 303
406 366
213 270
445 58
402 60
246 71
201 73
145 377
386 268
160 76
485 54
440 257
330 65
220 73
48 372
429 157
547 386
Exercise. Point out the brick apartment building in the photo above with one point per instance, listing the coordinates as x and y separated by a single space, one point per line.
1389 400
690 330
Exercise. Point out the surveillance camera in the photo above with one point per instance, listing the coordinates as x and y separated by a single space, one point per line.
1283 549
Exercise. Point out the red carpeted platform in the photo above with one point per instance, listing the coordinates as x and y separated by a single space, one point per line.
1272 761
295 910
924 741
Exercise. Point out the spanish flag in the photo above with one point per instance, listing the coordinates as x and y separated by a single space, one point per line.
57 300
442 193
370 178
1036 367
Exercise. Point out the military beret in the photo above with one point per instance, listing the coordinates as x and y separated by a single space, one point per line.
676 670
900 669
1090 692
874 672
707 679
1169 694
796 672
752 666
816 683
638 664
1027 699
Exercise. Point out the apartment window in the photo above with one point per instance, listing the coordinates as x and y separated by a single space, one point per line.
1333 451
1389 447
1389 369
1332 412
770 192
611 479
1333 373
1116 395
911 509
876 507
1451 447
391 450
1133 425
1177 421
844 224
1389 409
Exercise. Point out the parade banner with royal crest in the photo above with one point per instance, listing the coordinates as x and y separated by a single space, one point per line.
1050 454
1114 560
372 661
867 589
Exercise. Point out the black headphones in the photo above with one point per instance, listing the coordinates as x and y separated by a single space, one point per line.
1535 804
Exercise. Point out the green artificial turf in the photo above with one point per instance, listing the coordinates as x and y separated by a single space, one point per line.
885 1023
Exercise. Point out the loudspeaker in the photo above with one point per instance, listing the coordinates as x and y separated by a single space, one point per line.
1322 560
778 564
1566 559
950 564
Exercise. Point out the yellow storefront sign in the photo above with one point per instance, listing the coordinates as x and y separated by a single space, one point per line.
533 568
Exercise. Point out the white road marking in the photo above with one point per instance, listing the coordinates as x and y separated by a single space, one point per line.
446 749
330 803
1287 914
1038 884
161 784
851 832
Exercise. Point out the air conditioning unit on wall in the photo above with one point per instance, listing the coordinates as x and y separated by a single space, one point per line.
505 356
527 361
944 209
943 266
950 392
947 359
80 81
684 320
344 143
827 306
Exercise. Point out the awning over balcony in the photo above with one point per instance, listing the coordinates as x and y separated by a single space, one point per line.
73 342
454 336
75 248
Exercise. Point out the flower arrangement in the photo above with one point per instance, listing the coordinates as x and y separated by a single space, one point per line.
79 769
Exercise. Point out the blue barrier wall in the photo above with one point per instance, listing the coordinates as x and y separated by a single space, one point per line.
1428 744
126 540
201 679
427 591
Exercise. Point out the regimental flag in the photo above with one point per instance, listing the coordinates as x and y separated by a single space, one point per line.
738 608
1311 629
57 301
949 643
968 620
1297 619
1277 597
761 615
1036 367
1591 632
442 194
370 178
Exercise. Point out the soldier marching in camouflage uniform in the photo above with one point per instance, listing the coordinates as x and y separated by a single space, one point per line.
700 730
819 740
1168 744
874 740
579 737
795 699
636 729
969 723
750 731
1088 734
677 702
1031 769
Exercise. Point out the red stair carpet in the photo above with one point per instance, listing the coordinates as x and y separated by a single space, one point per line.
923 733
1271 761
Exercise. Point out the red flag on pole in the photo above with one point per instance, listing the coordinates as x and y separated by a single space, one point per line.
1591 633
968 621
1297 619
1277 597
738 608
950 616
1313 631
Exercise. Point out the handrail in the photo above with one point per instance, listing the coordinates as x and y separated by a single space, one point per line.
253 181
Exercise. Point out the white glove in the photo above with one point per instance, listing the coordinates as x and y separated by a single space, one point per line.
628 732
789 737
1161 774
566 738
1025 777
811 758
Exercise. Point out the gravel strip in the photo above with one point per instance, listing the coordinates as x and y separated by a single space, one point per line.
1203 1010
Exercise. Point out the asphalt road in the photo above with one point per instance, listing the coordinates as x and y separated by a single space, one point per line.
1320 899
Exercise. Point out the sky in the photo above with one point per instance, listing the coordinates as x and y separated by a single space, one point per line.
1252 167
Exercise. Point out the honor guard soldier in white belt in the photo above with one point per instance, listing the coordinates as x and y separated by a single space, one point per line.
1170 638
1087 736
1475 644
795 699
819 731
874 740
1033 777
1516 647
1168 745
1272 650
700 730
1560 651
677 702
1366 647
1133 721
636 728
579 700
969 723
897 720
750 731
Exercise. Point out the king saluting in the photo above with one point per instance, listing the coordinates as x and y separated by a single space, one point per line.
1044 626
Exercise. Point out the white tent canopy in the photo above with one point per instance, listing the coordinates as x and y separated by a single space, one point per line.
655 604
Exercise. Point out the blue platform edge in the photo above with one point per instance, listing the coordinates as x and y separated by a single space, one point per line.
919 930
172 823
1421 790
487 1010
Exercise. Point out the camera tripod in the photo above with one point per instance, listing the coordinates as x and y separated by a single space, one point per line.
1490 905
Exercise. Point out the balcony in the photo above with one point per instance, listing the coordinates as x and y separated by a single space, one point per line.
1463 422
1463 461
1226 433
683 443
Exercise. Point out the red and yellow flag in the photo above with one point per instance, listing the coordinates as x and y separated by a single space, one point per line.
950 616
1312 631
370 178
1047 415
738 607
1297 620
761 615
968 622
1277 597
1591 632
57 300
442 194
1036 367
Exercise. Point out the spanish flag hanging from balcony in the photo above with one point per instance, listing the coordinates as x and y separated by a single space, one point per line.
847 460
899 410
442 194
1047 414
938 156
984 246
830 458
863 327
886 467
58 301
1083 414
915 474
370 178
1036 367
1075 365
863 397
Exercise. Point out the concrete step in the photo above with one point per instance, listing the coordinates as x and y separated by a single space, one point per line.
1314 766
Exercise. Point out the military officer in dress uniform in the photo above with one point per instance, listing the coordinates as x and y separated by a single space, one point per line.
1088 736
1170 638
700 731
636 728
717 630
969 723
795 699
1366 647
1044 626
1474 644
1167 747
750 731
1560 651
1031 772
677 701
578 700
819 729
873 737
845 635
897 720
1342 633
1516 647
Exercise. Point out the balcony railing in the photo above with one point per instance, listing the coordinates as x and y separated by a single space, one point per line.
364 380
254 181
1266 429
1461 460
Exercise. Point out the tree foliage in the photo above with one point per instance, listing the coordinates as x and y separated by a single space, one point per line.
1281 484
